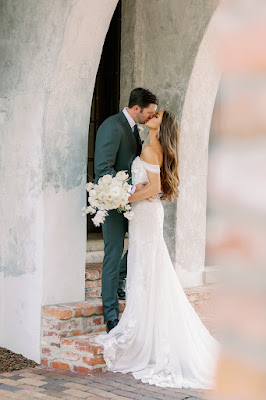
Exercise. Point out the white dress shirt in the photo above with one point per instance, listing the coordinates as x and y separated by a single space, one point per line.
131 121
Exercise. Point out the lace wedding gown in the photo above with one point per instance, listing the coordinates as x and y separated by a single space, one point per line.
159 337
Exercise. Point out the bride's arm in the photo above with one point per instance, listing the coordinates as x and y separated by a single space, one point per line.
150 156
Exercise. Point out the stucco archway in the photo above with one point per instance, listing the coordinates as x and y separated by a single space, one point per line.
195 128
52 52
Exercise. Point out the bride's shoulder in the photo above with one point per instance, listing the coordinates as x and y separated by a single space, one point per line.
150 155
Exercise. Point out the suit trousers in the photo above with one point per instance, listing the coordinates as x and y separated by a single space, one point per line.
114 266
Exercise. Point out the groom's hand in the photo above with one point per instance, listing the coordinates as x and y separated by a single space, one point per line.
141 185
151 198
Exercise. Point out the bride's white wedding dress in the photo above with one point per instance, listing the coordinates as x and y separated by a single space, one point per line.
160 337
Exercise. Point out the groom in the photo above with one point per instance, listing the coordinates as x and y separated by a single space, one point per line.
117 144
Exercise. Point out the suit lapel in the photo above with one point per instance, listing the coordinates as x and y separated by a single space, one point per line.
128 130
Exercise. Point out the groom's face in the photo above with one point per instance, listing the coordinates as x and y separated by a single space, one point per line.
145 114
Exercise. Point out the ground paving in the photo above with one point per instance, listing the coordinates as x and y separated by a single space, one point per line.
52 384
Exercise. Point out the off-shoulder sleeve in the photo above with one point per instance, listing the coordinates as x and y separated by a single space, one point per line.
151 167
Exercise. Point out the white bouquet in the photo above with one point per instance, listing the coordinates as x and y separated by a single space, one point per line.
110 193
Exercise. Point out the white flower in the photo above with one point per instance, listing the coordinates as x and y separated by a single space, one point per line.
117 182
93 202
115 192
102 214
129 215
127 187
99 218
121 176
89 186
105 180
101 196
90 210
93 193
110 193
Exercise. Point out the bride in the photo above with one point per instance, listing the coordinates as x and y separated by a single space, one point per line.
159 338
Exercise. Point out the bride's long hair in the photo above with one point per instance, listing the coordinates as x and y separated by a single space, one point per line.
169 139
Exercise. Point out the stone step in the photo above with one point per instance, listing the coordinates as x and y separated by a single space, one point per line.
68 321
68 330
86 353
95 248
94 257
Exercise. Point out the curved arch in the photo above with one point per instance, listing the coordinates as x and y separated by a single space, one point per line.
194 138
65 149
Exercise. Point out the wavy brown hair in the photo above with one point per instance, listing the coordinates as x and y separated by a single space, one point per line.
169 139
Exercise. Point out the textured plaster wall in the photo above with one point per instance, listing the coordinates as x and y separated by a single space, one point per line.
160 42
50 52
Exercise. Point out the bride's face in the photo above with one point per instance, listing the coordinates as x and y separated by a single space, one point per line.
156 120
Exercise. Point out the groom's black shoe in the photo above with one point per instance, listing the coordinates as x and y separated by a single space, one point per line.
121 294
111 324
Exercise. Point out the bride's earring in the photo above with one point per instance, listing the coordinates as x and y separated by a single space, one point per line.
158 133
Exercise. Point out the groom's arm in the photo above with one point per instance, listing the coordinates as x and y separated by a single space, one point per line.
106 148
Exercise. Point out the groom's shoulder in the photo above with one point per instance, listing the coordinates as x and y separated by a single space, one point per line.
112 121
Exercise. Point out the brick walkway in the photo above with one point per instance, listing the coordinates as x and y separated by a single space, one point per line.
52 384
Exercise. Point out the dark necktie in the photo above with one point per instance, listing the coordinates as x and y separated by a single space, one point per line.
137 137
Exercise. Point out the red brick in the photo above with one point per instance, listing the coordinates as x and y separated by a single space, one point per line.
57 312
94 292
88 309
46 351
82 370
55 344
69 355
93 360
77 333
100 283
50 324
78 312
59 365
44 362
95 349
99 310
68 342
53 335
100 329
70 324
98 321
93 275
90 284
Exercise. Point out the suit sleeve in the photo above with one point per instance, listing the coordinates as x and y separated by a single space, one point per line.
106 148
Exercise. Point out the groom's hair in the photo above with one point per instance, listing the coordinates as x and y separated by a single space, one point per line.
142 97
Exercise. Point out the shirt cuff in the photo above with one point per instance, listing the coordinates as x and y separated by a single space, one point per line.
133 189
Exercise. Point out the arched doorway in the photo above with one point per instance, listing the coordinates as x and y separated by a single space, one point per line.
106 95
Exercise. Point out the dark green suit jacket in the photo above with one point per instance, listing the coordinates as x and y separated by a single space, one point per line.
115 147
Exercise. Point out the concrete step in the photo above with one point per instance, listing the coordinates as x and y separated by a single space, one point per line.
95 248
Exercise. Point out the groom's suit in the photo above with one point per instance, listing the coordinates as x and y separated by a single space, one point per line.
115 149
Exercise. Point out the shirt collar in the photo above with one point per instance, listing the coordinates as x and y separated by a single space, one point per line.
130 120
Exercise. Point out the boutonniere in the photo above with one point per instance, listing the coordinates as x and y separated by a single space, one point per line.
140 129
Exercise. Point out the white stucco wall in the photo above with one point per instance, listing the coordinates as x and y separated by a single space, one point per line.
194 141
49 59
